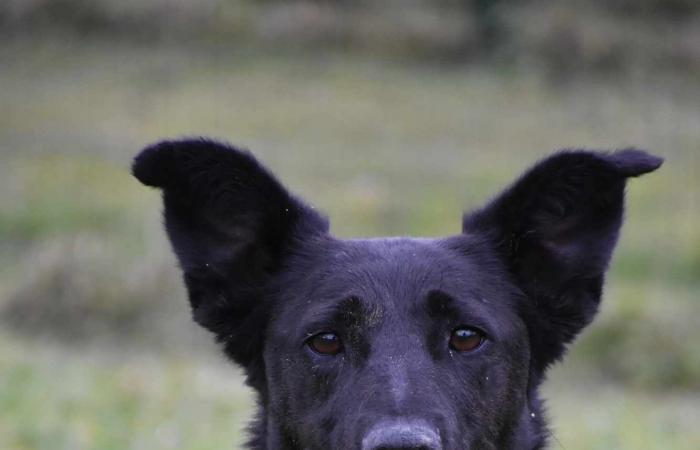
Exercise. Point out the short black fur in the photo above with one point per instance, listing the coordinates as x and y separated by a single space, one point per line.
264 275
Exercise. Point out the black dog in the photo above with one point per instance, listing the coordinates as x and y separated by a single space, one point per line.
393 343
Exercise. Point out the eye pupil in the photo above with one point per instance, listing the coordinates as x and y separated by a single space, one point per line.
465 339
325 343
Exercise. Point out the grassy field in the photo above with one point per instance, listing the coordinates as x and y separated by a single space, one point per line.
96 349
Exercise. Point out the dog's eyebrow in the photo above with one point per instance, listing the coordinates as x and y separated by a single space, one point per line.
440 303
348 312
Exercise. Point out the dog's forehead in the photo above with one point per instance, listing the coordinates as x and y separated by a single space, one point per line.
386 271
394 263
391 280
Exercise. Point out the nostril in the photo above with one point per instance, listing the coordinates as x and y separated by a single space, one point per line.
402 435
422 447
404 448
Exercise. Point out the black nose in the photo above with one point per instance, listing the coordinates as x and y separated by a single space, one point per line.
402 435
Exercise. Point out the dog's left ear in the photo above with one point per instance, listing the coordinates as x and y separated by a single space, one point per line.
232 226
555 228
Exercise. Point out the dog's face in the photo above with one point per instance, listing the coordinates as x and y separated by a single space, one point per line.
369 337
392 343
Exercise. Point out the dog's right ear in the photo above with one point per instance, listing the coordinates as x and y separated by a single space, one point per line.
555 229
230 223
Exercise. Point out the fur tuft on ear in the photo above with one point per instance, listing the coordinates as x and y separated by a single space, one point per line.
231 225
155 165
632 162
555 228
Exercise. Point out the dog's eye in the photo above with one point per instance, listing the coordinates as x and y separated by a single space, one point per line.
325 343
466 339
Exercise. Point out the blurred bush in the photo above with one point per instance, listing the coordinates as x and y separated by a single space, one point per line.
657 340
81 268
564 38
69 290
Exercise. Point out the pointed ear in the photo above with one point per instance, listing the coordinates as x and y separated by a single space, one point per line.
555 228
231 224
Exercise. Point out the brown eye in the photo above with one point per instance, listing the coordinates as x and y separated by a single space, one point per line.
466 339
325 343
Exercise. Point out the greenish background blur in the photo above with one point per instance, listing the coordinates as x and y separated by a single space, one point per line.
392 117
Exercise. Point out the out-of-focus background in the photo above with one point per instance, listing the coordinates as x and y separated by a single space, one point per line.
392 117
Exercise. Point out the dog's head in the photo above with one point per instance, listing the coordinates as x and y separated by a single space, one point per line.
393 343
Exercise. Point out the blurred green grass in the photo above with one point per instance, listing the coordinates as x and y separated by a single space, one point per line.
67 400
97 350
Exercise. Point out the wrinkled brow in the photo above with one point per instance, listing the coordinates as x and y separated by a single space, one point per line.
346 313
463 311
440 304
